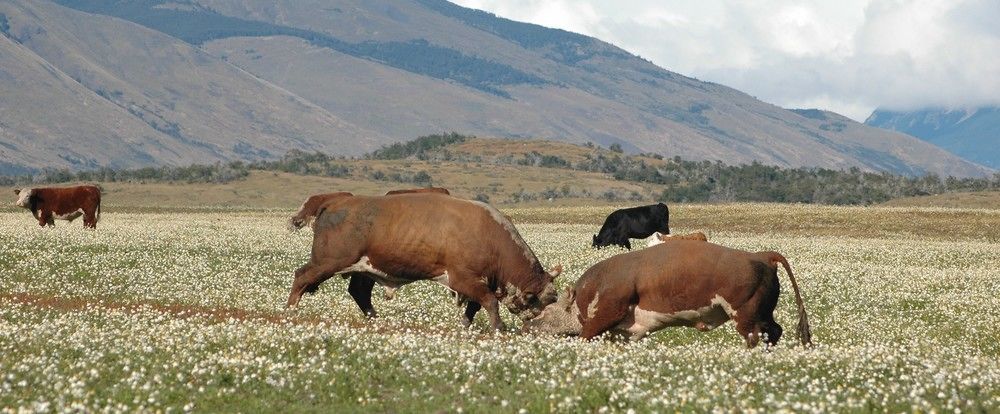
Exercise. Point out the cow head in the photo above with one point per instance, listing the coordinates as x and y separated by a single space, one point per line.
24 197
559 318
528 304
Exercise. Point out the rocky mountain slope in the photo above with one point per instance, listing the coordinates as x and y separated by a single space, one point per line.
973 134
228 79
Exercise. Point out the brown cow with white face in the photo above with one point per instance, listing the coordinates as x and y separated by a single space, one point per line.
464 245
63 203
438 190
311 207
678 283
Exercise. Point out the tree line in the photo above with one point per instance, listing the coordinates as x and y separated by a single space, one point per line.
679 180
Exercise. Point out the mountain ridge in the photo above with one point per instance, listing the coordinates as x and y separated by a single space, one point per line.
972 133
379 72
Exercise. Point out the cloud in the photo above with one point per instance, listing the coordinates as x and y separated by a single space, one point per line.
849 56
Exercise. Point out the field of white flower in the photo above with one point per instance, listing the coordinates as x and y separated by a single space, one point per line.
183 311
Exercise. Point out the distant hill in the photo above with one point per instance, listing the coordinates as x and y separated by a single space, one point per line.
146 82
973 134
512 171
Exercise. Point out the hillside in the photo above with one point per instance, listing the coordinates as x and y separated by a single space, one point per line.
973 134
252 78
83 90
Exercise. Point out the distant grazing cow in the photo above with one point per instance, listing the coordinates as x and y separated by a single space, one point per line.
658 238
464 245
678 283
310 207
67 203
635 223
420 190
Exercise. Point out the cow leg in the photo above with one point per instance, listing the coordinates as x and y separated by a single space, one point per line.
492 306
749 329
476 291
90 219
43 217
309 277
360 288
603 316
471 308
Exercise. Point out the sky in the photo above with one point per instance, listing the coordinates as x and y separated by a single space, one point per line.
848 56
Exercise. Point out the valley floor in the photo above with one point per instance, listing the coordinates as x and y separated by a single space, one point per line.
182 309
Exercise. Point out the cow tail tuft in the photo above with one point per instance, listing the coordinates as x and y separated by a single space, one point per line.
805 335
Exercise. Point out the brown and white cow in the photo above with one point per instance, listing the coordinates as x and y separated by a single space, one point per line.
464 245
439 190
63 203
310 208
658 237
678 283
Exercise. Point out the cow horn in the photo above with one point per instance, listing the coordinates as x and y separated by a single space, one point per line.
556 271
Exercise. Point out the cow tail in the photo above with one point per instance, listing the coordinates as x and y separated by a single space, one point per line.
805 335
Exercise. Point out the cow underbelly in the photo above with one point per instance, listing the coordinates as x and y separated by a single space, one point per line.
69 216
641 322
364 265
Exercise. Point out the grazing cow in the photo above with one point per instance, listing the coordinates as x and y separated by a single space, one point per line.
65 203
658 238
635 223
310 207
420 190
679 283
464 245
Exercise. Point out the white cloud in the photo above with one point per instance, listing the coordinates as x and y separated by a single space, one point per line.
848 56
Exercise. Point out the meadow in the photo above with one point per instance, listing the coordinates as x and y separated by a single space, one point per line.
183 310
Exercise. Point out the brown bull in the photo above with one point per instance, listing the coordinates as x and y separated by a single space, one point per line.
679 283
464 245
67 203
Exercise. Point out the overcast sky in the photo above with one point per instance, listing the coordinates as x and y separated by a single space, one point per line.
848 56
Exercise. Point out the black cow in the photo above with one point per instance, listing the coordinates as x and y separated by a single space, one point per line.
636 222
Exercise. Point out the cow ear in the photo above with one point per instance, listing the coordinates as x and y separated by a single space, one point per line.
556 271
17 191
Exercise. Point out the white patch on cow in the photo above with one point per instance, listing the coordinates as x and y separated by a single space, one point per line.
654 239
592 306
389 293
643 322
721 301
507 225
364 265
442 279
69 216
24 197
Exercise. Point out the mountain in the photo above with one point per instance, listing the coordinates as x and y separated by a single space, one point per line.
251 78
82 90
973 134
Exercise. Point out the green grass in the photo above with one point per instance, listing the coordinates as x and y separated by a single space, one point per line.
160 311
